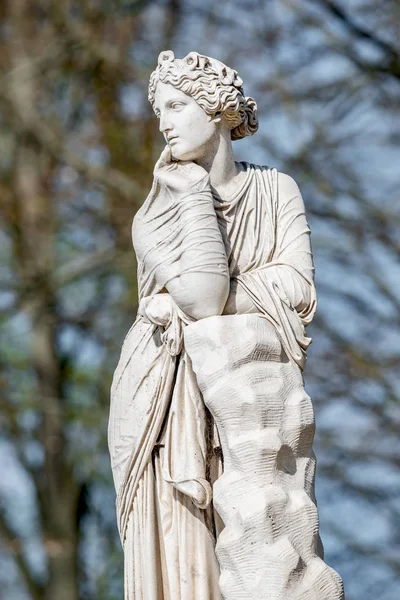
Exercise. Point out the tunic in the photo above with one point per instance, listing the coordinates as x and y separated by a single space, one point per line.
160 436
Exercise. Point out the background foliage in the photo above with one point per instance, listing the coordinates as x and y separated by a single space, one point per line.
78 143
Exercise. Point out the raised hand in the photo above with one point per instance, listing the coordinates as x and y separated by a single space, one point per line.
179 176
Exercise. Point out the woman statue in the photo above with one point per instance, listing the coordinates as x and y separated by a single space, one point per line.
226 289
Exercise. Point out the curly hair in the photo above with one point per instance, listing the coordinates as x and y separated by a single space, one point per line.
218 89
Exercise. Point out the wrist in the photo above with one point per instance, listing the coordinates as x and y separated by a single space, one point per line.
157 309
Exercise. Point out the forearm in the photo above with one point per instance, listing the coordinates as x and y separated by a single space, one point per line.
295 288
239 301
199 280
184 249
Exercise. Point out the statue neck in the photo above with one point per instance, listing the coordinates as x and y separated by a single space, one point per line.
219 161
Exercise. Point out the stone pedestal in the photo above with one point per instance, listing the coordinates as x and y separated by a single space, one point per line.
270 547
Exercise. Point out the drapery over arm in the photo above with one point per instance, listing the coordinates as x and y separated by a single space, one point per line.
178 242
292 265
283 289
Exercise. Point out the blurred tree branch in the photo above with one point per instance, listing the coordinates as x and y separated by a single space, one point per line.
390 62
16 548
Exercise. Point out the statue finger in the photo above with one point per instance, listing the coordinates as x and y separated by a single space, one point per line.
165 159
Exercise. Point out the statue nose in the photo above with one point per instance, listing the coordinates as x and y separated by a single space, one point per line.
164 125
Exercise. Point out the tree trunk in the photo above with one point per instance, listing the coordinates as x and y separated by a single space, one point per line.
57 490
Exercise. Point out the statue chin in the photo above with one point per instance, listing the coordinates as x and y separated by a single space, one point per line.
176 155
192 154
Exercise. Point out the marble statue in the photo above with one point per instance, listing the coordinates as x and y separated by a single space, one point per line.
210 428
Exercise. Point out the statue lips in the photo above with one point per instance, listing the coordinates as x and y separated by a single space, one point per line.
171 139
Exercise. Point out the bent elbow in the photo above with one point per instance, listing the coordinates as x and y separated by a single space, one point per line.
209 305
200 296
208 299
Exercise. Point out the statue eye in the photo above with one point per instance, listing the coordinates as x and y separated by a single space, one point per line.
176 105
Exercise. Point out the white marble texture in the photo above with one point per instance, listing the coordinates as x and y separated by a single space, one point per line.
226 289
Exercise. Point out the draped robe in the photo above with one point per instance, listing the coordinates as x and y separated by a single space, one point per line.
158 434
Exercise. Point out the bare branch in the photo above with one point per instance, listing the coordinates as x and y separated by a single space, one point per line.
15 547
390 63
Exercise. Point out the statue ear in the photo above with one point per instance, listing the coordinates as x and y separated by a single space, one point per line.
216 117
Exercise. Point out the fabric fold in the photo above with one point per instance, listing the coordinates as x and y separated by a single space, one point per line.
261 235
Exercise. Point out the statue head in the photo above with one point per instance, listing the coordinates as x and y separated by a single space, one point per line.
216 88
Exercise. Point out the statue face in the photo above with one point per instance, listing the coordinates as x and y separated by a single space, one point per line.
187 129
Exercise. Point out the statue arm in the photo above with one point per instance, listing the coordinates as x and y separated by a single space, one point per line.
292 268
200 295
289 276
198 277
199 281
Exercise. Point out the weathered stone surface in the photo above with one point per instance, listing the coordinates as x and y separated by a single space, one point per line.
270 546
